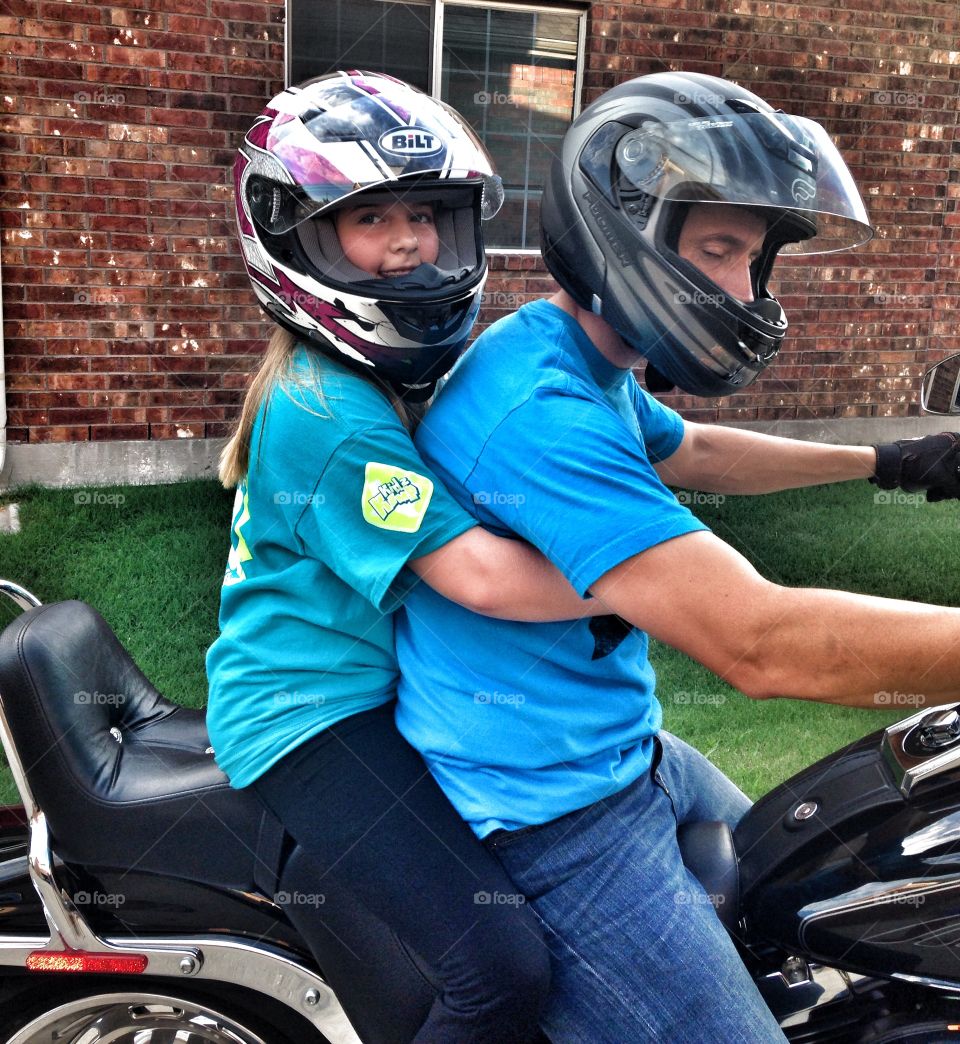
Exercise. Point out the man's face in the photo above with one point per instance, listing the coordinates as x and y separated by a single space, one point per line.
723 241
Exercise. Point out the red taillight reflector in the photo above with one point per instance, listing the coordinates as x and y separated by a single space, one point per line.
81 961
12 816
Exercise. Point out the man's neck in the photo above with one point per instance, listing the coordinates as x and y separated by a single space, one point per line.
603 336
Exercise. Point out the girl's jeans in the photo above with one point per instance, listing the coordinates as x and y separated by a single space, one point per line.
361 802
638 953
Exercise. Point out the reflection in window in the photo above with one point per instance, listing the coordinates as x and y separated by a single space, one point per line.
511 74
360 34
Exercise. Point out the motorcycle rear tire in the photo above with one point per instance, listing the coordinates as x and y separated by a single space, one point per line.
127 1012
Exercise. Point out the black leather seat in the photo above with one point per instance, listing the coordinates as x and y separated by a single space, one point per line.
708 853
126 779
124 776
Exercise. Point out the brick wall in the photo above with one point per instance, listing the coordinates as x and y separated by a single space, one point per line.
127 314
126 311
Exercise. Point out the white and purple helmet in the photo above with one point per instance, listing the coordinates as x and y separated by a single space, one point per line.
319 145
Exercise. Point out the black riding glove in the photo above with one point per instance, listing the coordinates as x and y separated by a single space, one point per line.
930 464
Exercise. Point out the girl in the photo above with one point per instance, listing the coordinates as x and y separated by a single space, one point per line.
359 202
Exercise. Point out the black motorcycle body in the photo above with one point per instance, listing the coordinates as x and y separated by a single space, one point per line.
140 894
841 887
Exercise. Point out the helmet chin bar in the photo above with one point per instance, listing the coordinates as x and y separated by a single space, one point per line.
424 277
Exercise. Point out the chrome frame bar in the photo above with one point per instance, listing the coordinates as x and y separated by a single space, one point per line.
19 594
220 960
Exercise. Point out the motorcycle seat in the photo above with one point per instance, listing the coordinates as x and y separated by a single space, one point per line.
708 853
125 777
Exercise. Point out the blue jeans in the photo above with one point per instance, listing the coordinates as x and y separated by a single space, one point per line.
638 953
359 799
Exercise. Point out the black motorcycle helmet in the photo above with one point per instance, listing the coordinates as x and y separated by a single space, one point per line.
631 166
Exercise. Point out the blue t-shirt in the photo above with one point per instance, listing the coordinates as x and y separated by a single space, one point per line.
335 502
538 435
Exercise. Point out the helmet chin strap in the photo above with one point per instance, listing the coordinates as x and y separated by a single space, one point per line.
415 393
424 277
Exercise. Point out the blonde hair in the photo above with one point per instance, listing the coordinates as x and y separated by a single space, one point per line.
274 371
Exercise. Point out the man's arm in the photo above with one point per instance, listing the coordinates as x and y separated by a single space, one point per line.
717 459
506 579
701 596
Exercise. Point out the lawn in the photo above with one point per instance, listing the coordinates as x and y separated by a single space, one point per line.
151 558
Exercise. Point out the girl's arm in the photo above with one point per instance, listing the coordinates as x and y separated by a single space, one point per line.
504 578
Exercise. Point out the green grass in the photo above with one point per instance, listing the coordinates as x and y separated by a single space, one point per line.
150 559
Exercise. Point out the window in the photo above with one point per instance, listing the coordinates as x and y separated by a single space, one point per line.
512 70
388 37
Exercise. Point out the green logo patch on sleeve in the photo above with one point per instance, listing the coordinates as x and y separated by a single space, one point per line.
394 498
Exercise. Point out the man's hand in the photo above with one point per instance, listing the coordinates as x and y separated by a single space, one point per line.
929 464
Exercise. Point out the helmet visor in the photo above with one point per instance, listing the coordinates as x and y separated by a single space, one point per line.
782 164
318 158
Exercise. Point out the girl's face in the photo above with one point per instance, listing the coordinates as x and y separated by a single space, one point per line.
388 239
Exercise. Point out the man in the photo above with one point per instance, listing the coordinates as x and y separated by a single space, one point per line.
661 223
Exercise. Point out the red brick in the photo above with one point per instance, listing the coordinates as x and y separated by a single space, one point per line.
77 433
149 106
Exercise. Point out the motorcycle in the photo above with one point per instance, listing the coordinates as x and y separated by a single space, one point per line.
141 897
144 900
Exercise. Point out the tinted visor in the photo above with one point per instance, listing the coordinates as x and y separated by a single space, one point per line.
785 164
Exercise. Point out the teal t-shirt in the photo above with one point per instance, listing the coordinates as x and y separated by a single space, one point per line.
336 501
